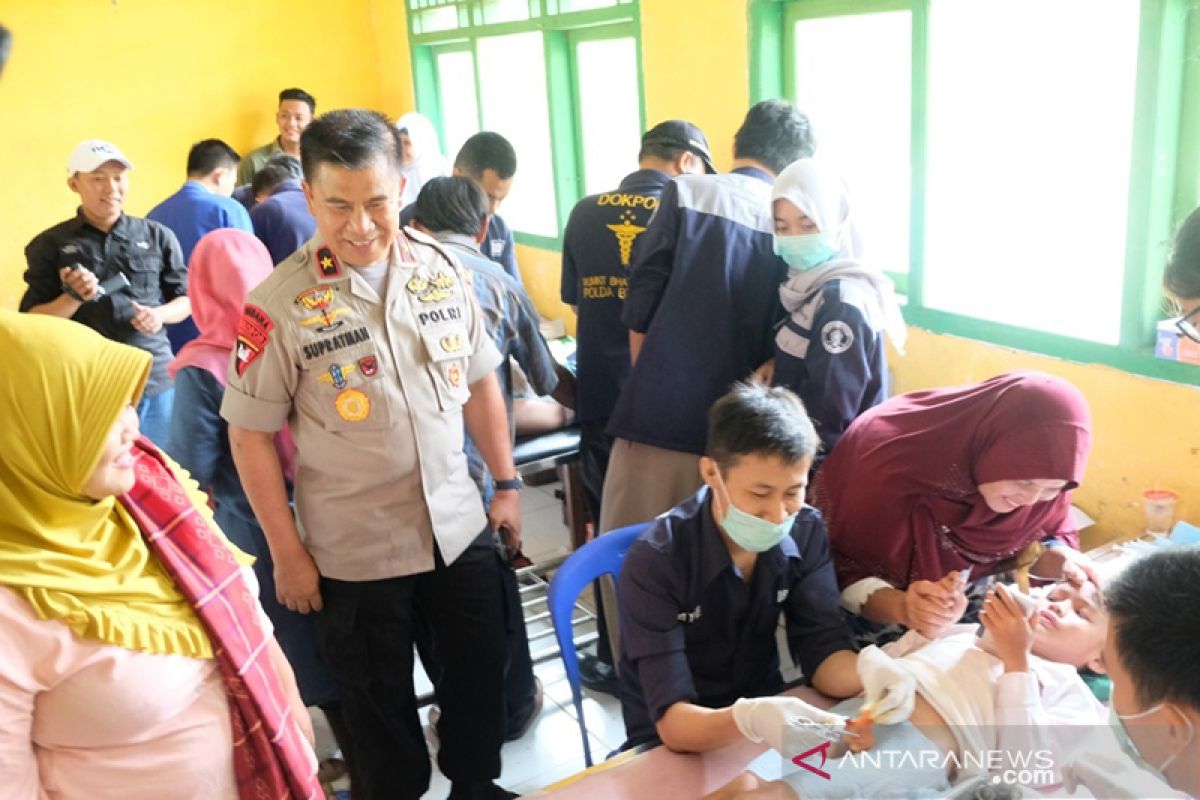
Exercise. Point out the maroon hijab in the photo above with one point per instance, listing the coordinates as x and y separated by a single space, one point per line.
899 490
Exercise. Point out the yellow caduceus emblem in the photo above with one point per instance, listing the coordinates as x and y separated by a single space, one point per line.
625 232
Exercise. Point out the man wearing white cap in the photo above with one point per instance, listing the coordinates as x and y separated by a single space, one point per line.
123 276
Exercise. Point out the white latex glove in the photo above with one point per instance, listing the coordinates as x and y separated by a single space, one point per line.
765 719
890 689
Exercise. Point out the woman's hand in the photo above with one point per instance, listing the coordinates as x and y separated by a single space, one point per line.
1012 633
930 607
1065 563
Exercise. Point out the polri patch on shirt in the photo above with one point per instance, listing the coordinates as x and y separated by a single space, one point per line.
434 316
328 264
253 332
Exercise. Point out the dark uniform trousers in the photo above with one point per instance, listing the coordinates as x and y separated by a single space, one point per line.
365 632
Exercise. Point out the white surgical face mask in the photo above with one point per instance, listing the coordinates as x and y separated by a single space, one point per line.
804 251
1116 722
749 532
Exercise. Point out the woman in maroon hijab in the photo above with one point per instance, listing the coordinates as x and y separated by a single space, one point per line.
931 489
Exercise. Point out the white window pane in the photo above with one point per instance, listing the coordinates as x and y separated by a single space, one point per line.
608 110
460 111
1030 133
853 81
436 19
584 5
512 76
505 10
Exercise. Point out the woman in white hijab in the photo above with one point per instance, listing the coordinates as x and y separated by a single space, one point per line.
830 349
422 158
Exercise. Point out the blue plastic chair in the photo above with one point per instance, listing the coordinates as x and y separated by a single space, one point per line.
601 556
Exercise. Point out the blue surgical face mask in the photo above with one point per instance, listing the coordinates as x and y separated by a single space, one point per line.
804 251
1115 721
749 532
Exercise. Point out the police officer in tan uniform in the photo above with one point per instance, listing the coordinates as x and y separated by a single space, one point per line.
369 344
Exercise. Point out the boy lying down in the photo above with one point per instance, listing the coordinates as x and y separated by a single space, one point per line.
1010 703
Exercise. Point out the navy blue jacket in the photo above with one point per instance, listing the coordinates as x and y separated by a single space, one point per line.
282 222
692 630
599 243
704 290
838 367
512 323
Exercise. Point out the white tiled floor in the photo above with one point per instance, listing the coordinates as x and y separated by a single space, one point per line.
552 749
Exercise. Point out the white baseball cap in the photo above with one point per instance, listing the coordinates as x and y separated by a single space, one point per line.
90 154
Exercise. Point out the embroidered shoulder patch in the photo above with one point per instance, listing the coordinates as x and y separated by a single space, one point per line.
837 337
253 331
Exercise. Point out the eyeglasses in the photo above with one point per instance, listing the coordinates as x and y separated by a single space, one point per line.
1188 328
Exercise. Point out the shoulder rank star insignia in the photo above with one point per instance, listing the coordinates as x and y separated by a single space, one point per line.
336 375
328 264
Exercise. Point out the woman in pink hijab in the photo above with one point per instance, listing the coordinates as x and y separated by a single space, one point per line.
224 267
931 490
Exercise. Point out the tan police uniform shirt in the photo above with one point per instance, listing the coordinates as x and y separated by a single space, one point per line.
373 392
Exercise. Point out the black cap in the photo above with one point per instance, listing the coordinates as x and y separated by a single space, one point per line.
684 135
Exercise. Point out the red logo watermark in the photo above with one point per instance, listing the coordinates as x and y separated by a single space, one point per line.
823 749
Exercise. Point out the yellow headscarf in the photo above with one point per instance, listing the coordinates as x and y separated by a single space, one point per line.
73 558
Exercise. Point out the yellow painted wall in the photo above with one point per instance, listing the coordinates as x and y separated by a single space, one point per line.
155 76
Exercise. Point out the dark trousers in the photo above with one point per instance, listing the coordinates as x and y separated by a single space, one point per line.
520 689
365 633
594 448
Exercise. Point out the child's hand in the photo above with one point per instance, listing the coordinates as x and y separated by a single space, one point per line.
1012 633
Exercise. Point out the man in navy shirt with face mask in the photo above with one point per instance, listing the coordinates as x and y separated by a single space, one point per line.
702 590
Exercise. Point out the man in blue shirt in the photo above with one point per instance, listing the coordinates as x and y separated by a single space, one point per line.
489 159
202 205
599 243
281 219
454 211
702 306
701 592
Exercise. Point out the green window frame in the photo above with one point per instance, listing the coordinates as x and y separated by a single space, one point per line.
562 30
1164 179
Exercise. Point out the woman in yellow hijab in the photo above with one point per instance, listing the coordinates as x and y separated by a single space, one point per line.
134 660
